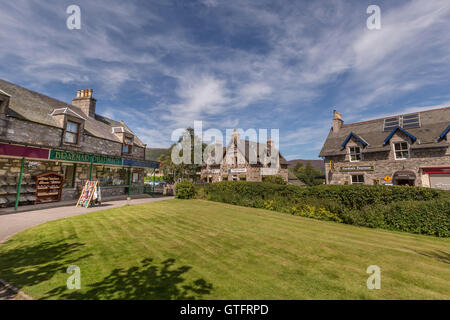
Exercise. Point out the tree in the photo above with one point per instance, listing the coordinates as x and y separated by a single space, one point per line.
308 174
175 171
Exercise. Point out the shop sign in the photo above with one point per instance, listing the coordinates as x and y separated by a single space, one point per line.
142 164
83 157
238 170
357 168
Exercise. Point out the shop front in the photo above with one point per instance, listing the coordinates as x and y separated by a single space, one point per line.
21 165
439 177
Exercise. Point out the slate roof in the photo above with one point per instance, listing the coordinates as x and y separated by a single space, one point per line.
32 106
433 123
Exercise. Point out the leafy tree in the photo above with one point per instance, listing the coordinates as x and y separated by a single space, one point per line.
308 174
176 171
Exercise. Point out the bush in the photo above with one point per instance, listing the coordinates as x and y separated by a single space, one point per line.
411 209
185 190
351 196
423 217
274 180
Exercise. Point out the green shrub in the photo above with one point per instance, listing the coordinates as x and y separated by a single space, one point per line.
185 190
424 217
411 209
274 179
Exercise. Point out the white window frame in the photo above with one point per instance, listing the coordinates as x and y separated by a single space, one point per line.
401 150
73 133
355 175
356 153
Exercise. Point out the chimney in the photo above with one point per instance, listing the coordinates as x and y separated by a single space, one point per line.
337 121
85 102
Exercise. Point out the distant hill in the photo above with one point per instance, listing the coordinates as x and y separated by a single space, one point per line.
319 164
154 153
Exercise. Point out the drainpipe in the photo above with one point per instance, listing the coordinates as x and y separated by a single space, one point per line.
20 184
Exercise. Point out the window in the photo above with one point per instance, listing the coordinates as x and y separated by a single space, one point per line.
127 145
358 179
355 154
401 150
411 121
391 123
72 132
407 122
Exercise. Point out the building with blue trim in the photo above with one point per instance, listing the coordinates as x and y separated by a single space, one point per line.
408 149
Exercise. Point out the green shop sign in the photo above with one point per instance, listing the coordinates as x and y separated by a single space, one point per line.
83 157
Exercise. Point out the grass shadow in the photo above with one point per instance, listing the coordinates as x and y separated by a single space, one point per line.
149 281
438 255
30 265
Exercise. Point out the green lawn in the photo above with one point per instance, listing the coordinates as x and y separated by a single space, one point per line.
181 249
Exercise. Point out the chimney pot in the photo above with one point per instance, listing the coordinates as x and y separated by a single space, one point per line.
85 102
337 121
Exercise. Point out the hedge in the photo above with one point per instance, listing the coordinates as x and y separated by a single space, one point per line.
411 209
351 196
184 190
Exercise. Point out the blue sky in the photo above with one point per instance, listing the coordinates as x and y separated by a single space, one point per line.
159 65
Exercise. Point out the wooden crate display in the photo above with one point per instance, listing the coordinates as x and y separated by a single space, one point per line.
49 187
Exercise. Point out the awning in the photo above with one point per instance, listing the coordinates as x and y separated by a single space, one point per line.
405 175
436 170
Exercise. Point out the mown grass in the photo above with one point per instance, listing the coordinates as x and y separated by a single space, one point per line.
194 249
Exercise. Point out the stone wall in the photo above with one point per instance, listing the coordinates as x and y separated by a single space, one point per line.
21 131
386 165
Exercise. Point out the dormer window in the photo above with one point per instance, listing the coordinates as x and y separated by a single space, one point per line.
355 154
72 132
127 145
401 150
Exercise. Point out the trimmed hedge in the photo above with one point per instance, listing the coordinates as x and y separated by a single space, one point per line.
424 217
185 190
411 209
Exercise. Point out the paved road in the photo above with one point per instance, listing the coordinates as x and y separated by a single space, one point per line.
11 224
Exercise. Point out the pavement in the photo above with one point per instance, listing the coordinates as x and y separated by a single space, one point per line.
12 223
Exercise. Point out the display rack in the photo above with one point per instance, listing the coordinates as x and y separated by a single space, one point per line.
8 191
49 187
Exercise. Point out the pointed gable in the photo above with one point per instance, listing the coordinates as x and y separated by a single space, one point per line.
388 138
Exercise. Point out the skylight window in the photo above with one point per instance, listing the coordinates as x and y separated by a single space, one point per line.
411 121
406 122
391 123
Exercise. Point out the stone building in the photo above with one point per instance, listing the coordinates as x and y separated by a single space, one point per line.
408 149
244 160
39 134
